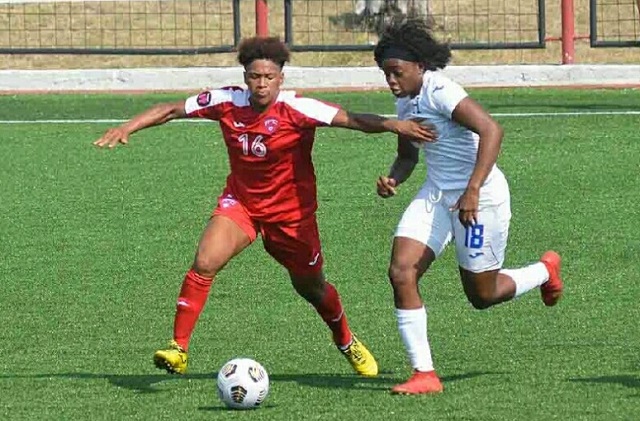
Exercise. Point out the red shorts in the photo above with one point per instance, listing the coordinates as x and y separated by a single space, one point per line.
295 245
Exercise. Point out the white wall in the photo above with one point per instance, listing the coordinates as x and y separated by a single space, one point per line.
190 79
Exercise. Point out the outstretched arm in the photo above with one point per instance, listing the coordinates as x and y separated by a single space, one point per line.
154 116
401 168
372 123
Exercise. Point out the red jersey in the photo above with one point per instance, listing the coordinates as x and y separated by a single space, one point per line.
272 174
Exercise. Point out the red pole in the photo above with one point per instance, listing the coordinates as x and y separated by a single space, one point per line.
568 32
262 18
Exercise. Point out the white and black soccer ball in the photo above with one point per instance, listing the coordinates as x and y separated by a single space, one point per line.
243 383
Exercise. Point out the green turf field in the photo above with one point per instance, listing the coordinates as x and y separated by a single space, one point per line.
95 243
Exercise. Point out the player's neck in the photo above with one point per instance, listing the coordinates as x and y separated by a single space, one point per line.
260 108
418 87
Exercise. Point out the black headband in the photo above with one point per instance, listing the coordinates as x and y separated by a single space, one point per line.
400 53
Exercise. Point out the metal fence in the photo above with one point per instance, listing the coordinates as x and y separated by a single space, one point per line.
210 26
615 23
121 27
327 25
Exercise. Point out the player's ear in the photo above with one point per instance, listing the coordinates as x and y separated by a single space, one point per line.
244 76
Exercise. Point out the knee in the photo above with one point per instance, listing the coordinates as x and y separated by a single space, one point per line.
481 289
402 274
480 300
206 266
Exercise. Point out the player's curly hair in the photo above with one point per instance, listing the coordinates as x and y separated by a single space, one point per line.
259 48
414 35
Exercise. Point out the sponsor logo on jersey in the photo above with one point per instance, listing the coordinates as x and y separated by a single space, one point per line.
204 98
238 124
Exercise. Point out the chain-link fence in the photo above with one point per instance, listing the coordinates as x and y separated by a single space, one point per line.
322 25
131 26
209 26
202 26
615 23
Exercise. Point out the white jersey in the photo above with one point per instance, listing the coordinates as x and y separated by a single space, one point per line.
451 159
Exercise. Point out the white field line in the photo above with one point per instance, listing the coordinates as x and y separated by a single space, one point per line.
498 115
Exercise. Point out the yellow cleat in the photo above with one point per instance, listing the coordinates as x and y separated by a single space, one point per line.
173 359
360 358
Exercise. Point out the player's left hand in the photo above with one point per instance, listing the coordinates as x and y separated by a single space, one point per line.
417 130
467 205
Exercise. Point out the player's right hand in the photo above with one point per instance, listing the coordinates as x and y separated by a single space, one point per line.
386 186
112 137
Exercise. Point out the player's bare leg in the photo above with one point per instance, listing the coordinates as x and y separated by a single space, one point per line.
324 297
486 289
409 261
221 240
489 288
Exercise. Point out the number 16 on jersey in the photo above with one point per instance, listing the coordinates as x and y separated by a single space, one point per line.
253 147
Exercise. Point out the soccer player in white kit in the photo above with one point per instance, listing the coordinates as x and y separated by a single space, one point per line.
464 200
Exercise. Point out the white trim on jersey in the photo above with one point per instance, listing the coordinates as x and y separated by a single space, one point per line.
312 108
239 98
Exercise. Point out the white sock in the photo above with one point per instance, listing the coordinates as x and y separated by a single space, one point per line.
412 325
528 278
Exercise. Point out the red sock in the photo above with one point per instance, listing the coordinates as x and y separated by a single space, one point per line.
193 296
331 311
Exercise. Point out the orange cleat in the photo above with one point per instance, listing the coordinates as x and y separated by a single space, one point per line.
422 382
551 290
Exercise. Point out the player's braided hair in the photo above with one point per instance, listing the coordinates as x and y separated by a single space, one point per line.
414 35
259 48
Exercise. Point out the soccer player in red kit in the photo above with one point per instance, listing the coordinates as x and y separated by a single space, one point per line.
271 190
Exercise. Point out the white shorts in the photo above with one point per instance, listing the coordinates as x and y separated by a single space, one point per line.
480 248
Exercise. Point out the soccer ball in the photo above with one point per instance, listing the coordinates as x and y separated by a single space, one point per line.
242 383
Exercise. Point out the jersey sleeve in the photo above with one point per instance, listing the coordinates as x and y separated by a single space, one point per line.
208 104
446 95
310 113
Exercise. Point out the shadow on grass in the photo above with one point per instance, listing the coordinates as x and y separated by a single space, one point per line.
142 383
222 408
626 380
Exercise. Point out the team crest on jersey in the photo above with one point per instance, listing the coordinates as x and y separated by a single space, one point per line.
204 98
271 124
